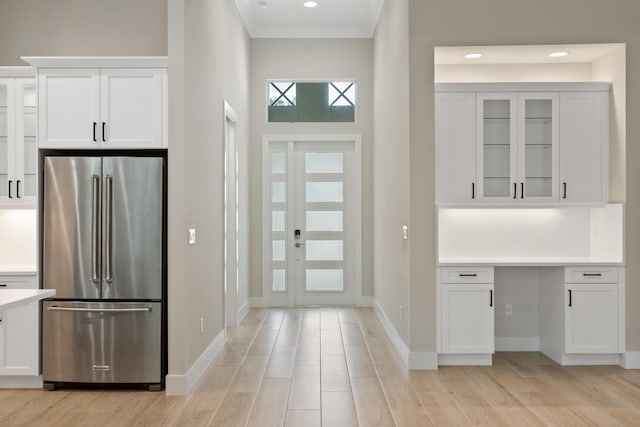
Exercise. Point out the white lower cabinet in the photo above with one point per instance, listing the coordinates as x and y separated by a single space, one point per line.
19 332
467 311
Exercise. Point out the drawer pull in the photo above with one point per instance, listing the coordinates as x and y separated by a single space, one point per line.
490 297
3 285
592 274
468 275
570 304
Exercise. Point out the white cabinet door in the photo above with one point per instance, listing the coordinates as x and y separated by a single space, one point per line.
19 340
19 331
538 152
584 147
455 147
7 139
467 318
69 108
496 149
591 317
131 108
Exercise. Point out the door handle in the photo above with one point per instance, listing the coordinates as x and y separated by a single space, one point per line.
473 190
490 297
18 189
522 190
107 228
95 209
101 310
94 132
515 190
10 196
564 190
104 138
570 302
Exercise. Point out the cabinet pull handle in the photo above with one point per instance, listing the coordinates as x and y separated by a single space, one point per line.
94 131
473 190
522 190
104 138
591 274
515 190
564 190
570 303
10 196
3 285
18 189
468 275
490 297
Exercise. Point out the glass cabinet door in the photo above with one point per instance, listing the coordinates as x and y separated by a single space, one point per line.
538 148
496 154
6 122
26 95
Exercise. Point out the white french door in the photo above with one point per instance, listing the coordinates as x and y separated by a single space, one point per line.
312 224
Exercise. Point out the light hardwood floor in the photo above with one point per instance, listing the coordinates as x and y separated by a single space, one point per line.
336 367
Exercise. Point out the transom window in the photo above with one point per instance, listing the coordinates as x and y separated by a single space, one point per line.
329 101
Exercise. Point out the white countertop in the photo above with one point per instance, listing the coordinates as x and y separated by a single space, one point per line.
526 261
18 269
14 297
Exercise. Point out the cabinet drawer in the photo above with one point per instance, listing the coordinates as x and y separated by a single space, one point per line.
18 282
591 274
467 275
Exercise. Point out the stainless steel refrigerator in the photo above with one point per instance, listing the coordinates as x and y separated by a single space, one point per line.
103 251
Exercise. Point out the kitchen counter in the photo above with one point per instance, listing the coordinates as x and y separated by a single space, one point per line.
18 269
14 297
526 261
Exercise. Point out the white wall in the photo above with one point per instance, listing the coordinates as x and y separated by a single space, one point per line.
512 73
517 286
18 239
208 63
391 204
331 59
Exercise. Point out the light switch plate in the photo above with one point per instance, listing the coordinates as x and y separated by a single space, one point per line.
192 236
405 232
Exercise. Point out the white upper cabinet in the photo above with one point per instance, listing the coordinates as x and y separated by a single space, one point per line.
18 150
102 102
584 158
522 143
455 147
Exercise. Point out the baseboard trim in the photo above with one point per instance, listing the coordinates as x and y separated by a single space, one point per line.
181 385
465 359
517 343
21 381
590 359
256 302
631 360
396 340
243 311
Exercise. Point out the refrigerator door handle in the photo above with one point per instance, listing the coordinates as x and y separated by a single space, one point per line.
101 310
95 236
107 228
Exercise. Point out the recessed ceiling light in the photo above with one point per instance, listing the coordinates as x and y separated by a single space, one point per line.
473 55
310 3
559 54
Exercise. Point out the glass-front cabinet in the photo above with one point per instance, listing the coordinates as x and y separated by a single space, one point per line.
517 152
18 148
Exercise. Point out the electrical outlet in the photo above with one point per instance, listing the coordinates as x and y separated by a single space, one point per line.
192 236
401 312
201 324
508 309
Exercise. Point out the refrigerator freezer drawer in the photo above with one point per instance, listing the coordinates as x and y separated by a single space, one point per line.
100 342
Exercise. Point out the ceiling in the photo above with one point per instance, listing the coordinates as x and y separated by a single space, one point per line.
290 19
538 54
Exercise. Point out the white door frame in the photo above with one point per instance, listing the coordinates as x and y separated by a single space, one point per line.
231 240
267 139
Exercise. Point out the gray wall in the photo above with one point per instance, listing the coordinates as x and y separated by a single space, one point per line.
208 63
492 22
391 204
310 59
81 27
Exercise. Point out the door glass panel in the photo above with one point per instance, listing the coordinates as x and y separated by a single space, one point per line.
324 250
278 221
538 147
324 162
278 192
324 220
496 147
278 283
325 280
278 250
317 192
4 148
278 162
